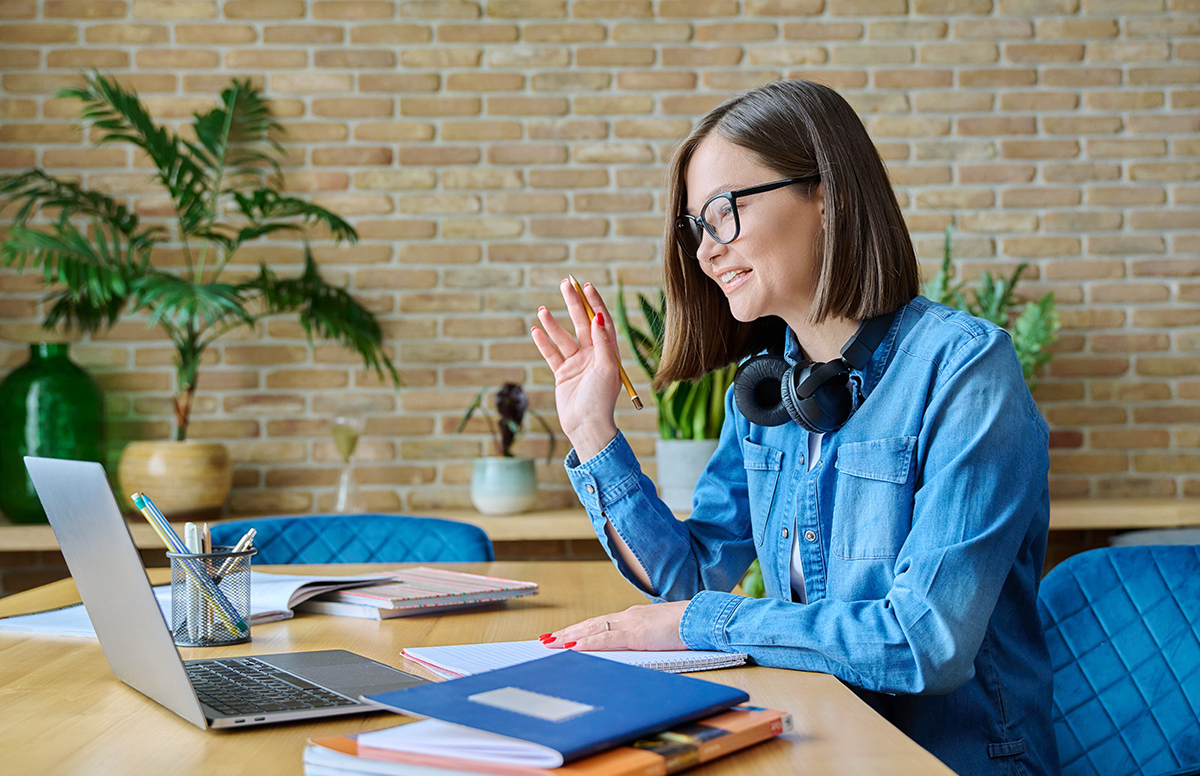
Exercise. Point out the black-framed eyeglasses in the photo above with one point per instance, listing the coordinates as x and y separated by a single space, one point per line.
719 216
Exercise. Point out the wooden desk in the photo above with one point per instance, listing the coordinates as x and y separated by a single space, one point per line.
64 713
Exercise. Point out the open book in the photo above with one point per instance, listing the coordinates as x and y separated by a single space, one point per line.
391 751
466 659
418 590
272 597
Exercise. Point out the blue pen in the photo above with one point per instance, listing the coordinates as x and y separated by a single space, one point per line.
148 508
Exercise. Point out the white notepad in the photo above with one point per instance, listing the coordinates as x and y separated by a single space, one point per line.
466 659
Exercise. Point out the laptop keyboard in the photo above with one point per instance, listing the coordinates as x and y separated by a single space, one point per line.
250 686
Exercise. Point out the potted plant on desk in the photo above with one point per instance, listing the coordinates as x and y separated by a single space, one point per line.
690 414
506 484
224 192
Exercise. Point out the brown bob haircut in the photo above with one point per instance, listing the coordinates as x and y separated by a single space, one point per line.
798 129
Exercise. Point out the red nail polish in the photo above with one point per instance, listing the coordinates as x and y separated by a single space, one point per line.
543 307
545 636
550 640
570 644
600 319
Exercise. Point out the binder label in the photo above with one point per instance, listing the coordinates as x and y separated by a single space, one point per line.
533 704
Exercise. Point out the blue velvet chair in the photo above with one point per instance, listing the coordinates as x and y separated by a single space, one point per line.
1123 628
357 538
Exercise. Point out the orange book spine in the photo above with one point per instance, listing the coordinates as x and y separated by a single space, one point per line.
661 755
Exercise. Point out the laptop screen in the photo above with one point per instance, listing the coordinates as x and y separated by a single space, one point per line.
112 582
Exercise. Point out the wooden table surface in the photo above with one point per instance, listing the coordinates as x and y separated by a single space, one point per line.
62 711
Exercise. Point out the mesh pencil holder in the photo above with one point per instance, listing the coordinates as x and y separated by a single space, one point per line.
210 597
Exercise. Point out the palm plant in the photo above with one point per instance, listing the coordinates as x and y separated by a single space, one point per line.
686 409
225 191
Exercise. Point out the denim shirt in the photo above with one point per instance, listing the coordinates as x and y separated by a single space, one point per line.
923 532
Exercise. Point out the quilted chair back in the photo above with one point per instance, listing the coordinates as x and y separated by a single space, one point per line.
358 538
1123 628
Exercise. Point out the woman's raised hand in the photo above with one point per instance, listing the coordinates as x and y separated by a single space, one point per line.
586 379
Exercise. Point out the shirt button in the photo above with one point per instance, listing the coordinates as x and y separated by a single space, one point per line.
784 533
810 536
801 460
590 489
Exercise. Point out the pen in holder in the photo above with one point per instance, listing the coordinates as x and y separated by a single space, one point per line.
210 597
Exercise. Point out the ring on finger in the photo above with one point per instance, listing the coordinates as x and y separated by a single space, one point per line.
607 626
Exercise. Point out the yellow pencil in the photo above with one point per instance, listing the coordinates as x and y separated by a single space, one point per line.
637 403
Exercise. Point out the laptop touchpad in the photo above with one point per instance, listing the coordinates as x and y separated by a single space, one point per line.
345 672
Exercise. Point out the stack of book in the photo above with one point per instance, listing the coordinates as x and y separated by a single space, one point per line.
567 715
417 590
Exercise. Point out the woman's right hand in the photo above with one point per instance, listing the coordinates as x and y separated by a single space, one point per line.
586 379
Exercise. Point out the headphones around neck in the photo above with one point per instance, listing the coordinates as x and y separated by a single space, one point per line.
769 391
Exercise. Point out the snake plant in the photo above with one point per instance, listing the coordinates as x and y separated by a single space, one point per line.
686 409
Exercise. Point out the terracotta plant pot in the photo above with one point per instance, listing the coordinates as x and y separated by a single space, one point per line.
182 478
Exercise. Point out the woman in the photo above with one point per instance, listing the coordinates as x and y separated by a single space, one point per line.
900 515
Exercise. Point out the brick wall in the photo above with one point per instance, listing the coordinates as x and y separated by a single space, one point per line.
485 149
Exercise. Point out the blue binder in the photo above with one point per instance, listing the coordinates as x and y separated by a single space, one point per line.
575 704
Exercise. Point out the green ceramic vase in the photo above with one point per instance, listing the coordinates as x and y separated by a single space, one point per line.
49 407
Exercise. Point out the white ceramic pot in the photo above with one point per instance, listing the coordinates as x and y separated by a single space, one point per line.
503 486
680 463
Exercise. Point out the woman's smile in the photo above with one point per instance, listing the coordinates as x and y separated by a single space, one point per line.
733 279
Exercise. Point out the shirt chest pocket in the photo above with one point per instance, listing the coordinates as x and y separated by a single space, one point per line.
763 465
873 498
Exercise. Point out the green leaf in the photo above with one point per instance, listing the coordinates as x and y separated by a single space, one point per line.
646 347
237 136
1033 331
269 211
939 289
181 303
752 581
95 286
462 423
124 118
325 310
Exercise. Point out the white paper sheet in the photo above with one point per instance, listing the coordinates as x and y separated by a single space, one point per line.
445 739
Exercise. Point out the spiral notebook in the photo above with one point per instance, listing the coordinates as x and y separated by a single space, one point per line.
458 660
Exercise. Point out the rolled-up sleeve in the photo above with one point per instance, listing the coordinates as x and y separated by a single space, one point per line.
710 550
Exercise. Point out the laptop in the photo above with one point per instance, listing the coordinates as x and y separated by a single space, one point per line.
228 692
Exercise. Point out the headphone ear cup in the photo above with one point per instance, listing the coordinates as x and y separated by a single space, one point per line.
756 390
816 395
